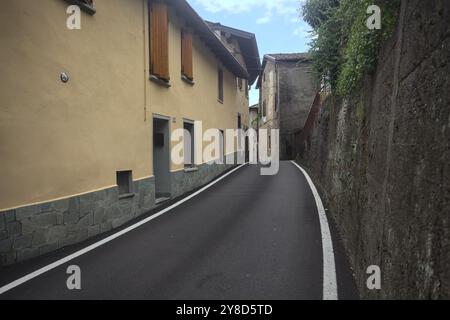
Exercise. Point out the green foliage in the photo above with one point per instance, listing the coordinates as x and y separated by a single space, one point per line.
343 48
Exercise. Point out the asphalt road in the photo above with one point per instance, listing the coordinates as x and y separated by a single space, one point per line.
246 237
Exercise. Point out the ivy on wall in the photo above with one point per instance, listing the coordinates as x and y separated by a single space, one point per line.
343 47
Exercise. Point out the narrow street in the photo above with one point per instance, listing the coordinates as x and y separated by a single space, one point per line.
246 237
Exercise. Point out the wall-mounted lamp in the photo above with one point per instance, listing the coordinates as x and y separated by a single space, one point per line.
64 77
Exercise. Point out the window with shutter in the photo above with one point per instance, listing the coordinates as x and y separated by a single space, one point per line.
220 83
186 55
159 40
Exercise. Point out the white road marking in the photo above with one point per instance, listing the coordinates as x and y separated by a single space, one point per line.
81 252
330 291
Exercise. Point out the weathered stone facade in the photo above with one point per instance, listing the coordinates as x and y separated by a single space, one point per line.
296 91
35 230
287 90
382 160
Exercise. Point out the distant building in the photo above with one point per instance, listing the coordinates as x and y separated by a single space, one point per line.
287 90
253 116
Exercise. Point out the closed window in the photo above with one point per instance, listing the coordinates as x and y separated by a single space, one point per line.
159 40
124 182
222 146
220 83
186 55
189 145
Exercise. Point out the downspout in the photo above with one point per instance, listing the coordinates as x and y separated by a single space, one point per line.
144 15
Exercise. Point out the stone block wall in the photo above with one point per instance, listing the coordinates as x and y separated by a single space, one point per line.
35 230
381 159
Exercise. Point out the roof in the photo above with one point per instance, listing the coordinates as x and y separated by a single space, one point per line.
248 44
208 36
255 106
288 56
283 57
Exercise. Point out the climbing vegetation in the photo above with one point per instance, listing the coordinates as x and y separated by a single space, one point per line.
343 47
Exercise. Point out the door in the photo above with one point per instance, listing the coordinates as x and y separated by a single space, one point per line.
161 158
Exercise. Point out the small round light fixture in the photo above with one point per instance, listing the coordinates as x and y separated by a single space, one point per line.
64 77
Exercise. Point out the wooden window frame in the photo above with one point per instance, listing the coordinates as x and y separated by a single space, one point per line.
159 33
187 61
220 85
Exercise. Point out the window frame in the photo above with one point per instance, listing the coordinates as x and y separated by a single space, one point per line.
129 183
188 75
160 74
193 164
220 85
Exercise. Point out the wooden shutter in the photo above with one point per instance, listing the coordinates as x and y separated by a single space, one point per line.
220 83
159 40
186 54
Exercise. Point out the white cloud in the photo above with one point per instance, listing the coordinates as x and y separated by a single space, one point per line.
266 19
287 9
302 31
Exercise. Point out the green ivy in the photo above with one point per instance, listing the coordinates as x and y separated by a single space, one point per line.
343 48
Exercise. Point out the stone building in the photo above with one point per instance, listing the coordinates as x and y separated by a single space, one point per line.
287 91
87 115
254 116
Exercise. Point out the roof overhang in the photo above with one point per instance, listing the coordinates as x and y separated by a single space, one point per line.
209 38
280 57
249 46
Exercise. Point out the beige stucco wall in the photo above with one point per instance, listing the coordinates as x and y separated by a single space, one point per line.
58 140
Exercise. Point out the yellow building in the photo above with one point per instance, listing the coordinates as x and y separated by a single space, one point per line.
87 114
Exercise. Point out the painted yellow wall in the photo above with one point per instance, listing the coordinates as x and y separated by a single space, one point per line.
58 140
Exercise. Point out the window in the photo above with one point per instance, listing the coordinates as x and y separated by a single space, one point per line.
239 83
246 88
222 147
276 101
125 182
189 145
186 55
264 111
159 40
220 83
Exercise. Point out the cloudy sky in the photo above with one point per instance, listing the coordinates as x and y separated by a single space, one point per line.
276 23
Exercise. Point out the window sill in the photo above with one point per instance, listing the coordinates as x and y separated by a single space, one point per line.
187 80
190 169
126 196
160 81
83 6
220 101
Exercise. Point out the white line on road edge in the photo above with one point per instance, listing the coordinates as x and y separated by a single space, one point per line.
77 254
330 291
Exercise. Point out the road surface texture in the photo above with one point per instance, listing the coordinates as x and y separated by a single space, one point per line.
246 237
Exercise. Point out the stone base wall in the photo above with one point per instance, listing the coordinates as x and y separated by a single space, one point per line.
35 230
183 182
